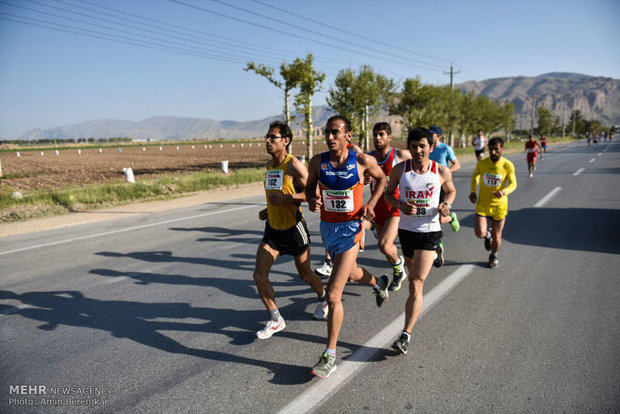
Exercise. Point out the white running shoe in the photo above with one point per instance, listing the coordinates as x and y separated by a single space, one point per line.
321 311
325 270
271 328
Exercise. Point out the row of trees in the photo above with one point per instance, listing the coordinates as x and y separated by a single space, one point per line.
361 94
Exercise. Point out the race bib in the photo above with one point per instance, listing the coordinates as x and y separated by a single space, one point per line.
338 201
492 180
274 180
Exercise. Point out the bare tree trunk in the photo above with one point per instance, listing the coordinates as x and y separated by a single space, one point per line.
287 114
309 127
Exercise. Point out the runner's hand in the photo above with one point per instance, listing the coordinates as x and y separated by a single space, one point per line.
278 198
444 210
368 212
407 208
473 197
262 215
315 203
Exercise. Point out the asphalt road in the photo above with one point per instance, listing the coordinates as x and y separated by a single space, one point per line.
157 312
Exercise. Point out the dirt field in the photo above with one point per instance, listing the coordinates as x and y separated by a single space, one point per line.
31 171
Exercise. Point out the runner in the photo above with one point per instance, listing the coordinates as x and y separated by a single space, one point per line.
339 174
419 230
531 146
285 228
543 145
387 217
498 180
444 155
326 267
479 142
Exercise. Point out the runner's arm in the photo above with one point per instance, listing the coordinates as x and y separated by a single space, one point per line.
448 186
475 177
512 178
456 165
403 155
393 182
313 198
369 164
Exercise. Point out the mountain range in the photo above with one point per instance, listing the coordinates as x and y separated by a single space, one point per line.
596 97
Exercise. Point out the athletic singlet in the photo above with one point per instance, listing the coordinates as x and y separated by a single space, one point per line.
530 146
283 216
386 165
342 193
479 143
423 190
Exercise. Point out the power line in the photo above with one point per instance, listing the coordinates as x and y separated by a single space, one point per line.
347 32
407 63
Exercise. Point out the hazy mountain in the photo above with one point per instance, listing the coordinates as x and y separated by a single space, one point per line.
596 98
168 127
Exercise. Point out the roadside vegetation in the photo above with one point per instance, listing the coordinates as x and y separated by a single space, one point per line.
36 204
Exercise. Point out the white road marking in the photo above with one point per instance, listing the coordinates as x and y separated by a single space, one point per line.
548 197
107 233
323 389
592 160
600 153
579 171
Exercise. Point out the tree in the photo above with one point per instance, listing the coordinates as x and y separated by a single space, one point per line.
545 120
289 82
360 94
309 82
409 103
576 119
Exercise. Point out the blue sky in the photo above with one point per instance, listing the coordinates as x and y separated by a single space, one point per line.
194 67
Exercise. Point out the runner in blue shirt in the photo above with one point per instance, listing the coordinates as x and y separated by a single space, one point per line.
444 155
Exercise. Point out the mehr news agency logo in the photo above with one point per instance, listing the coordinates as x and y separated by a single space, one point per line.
43 395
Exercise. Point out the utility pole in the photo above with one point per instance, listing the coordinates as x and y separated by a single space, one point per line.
451 73
532 115
563 116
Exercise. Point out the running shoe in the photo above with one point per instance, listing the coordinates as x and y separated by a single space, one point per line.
321 311
382 292
271 328
325 366
325 270
399 273
438 262
487 243
401 344
455 223
493 262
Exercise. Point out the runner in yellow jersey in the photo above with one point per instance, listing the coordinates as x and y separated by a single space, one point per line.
497 179
285 230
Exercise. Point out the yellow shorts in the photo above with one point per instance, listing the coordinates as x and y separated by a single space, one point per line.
497 212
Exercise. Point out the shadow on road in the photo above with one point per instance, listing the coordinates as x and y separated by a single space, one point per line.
583 229
138 321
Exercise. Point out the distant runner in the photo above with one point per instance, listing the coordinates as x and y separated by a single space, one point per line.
479 143
285 228
498 180
531 147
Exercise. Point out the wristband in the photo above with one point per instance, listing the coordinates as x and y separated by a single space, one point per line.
448 204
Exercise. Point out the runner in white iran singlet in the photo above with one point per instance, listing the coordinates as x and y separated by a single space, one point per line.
423 190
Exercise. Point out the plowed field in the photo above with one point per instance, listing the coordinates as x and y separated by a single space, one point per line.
33 171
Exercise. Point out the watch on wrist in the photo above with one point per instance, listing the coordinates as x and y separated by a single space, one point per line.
448 204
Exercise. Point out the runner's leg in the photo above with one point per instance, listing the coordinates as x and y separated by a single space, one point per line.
265 257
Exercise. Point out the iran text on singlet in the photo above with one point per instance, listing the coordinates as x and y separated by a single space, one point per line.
283 216
423 191
342 193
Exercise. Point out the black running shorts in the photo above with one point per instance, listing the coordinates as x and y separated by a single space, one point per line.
410 241
293 241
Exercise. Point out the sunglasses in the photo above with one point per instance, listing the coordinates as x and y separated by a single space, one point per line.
272 137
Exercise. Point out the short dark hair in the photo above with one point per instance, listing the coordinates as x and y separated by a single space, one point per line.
382 126
419 133
347 123
284 129
496 140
